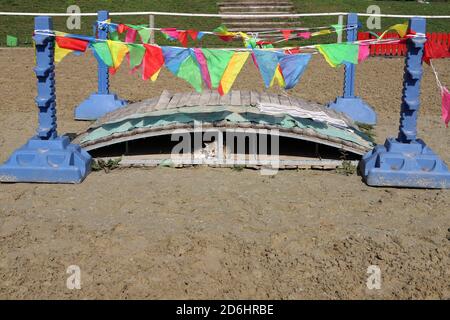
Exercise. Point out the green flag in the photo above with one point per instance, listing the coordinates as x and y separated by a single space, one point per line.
145 35
339 53
217 61
11 41
102 52
137 52
190 72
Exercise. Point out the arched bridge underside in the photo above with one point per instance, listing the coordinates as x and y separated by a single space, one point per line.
242 128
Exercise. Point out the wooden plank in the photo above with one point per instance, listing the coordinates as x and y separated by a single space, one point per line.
284 101
225 100
184 99
254 98
264 97
274 98
204 97
245 98
236 98
214 99
164 100
174 101
193 99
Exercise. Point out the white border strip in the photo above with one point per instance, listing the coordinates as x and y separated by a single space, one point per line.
179 14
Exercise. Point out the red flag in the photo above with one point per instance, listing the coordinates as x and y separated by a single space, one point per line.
182 37
152 62
121 28
72 44
193 34
286 34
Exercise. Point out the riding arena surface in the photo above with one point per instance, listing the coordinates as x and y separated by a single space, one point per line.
210 233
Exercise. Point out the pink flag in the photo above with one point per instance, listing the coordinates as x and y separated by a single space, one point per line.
363 52
131 35
203 66
304 35
445 105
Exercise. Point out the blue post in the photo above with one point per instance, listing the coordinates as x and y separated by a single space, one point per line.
46 157
407 161
349 104
102 102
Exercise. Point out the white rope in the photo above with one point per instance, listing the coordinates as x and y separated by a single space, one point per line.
177 14
441 87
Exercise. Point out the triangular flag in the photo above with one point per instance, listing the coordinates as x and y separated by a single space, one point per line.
304 35
320 33
118 52
278 77
72 44
286 34
193 34
60 53
131 35
189 71
445 105
173 57
292 67
145 35
338 29
102 53
267 62
217 61
339 53
11 41
183 38
231 72
136 54
201 60
152 62
364 52
170 33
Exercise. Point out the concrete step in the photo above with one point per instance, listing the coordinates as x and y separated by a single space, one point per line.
253 2
262 24
255 13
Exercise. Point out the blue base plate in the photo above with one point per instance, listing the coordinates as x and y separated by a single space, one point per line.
412 165
356 109
97 105
51 161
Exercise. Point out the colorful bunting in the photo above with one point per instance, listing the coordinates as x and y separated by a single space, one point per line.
145 35
183 38
304 35
118 51
234 67
339 53
338 29
401 29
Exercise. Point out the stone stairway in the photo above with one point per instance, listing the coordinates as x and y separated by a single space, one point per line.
250 8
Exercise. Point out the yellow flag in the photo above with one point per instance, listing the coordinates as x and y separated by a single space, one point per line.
320 33
155 75
118 52
278 76
401 29
235 65
60 53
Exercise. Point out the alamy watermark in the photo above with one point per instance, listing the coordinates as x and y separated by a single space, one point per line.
74 280
230 147
74 21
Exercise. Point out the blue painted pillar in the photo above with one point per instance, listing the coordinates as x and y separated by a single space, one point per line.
351 105
103 101
407 161
46 157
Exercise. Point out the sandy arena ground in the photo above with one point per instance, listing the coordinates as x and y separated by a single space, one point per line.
220 233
